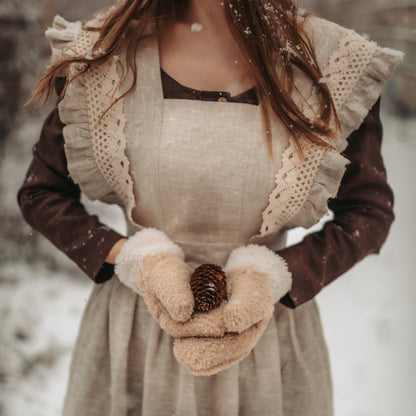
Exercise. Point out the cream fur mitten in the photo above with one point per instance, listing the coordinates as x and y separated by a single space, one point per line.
256 279
205 356
207 324
153 265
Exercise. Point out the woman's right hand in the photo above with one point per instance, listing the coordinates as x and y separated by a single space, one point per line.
153 266
163 280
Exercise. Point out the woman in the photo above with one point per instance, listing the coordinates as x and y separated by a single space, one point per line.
217 126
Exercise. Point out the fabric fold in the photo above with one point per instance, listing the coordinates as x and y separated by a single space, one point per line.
368 89
355 70
79 151
325 186
68 38
60 36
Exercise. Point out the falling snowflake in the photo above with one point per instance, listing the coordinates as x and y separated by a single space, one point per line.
196 27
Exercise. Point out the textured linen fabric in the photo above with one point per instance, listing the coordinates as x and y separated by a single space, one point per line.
202 179
123 365
188 182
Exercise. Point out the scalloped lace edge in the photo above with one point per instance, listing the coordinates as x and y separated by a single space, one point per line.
106 125
295 178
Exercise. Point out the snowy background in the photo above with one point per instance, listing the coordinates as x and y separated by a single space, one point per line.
368 314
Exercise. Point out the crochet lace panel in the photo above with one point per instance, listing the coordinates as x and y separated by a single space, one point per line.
106 125
296 177
293 183
347 65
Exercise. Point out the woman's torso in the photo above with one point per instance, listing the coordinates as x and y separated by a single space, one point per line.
205 177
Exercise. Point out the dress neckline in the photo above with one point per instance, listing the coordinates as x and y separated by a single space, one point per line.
172 89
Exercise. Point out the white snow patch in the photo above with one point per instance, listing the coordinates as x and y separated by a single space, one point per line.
41 312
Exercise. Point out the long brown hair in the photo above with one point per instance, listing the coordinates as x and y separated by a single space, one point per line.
269 34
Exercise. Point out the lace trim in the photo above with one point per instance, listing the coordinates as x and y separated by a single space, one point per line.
60 35
347 65
293 184
295 178
102 85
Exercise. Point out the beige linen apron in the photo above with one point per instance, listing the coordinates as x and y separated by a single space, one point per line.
201 172
204 179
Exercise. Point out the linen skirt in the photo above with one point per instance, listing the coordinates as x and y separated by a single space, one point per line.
123 365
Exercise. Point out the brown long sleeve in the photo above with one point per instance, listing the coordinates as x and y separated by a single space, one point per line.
363 213
50 203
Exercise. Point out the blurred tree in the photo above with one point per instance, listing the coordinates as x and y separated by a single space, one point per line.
391 24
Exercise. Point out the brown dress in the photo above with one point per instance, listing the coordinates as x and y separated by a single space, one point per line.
123 362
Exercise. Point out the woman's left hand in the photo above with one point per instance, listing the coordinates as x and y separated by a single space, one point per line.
256 279
250 299
205 356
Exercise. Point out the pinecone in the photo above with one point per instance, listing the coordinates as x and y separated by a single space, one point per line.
208 286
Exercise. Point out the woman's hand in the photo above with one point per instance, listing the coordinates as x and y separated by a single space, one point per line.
112 254
206 356
153 266
250 299
256 279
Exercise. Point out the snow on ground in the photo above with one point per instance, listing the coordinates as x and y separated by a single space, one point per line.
40 312
368 316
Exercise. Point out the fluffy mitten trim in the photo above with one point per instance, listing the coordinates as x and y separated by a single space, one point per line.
146 242
261 259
